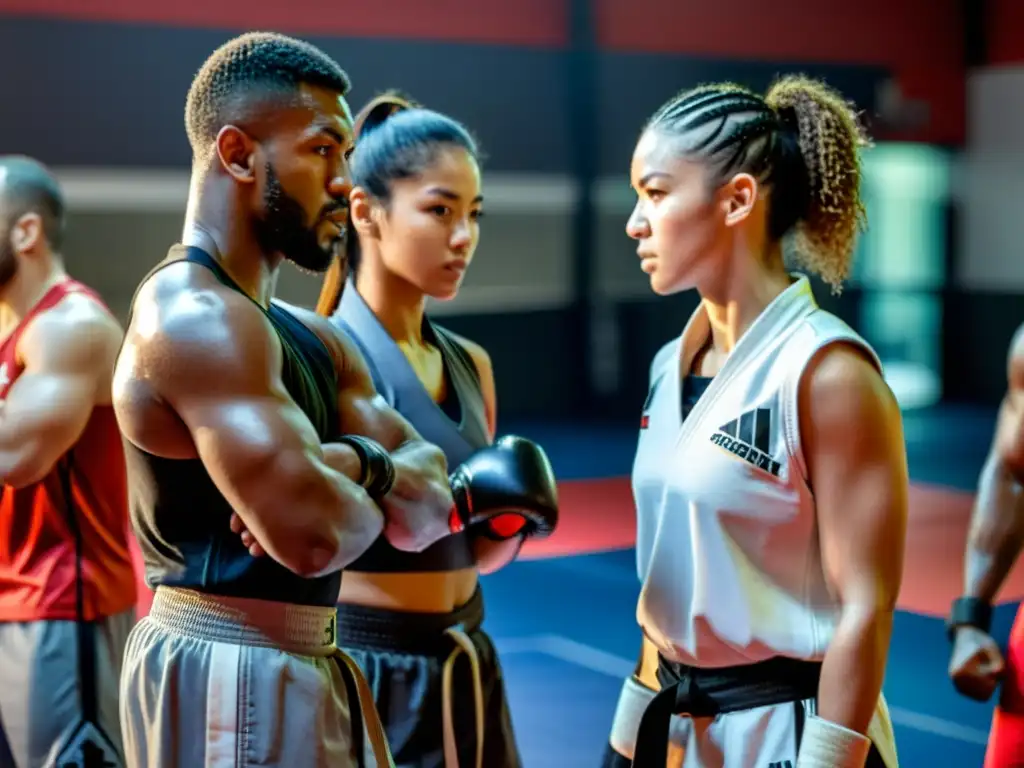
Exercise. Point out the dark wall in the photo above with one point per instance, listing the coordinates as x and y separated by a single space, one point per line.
978 327
102 84
113 95
918 42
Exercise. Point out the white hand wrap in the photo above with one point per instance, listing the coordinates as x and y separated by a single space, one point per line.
827 745
633 701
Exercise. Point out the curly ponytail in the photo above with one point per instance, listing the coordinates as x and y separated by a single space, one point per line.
830 139
802 141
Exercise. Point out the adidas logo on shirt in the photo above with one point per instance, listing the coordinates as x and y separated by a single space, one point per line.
748 438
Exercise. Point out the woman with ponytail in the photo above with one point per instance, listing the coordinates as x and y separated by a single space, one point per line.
412 620
770 478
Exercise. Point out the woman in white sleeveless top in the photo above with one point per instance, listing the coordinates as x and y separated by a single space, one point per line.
770 479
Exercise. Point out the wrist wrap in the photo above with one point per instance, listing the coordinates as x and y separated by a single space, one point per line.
969 612
377 472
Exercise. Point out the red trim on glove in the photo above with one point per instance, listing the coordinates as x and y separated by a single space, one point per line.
455 524
507 525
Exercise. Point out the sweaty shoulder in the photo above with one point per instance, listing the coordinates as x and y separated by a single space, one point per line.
840 371
844 396
77 317
78 334
190 334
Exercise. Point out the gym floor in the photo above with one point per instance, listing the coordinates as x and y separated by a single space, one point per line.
563 616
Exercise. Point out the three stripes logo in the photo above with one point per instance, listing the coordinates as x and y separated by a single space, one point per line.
749 438
781 764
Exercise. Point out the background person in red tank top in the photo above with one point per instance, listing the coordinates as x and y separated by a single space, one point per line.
67 587
995 539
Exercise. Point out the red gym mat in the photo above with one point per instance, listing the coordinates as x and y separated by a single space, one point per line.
597 515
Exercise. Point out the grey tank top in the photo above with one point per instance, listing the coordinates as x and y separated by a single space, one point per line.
458 426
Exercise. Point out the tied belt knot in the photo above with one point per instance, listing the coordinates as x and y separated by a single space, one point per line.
446 636
709 692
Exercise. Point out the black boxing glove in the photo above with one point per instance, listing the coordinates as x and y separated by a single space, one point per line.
505 490
376 471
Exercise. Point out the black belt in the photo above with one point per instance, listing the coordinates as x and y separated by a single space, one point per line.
371 628
699 692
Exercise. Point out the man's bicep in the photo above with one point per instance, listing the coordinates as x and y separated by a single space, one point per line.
241 419
264 457
49 405
1008 445
249 443
217 365
43 416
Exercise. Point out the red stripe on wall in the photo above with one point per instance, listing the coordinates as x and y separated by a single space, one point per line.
523 22
945 94
884 32
1005 32
869 31
919 41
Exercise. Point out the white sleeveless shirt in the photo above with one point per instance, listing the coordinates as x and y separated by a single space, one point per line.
727 545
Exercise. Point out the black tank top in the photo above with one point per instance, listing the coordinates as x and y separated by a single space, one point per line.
457 426
181 519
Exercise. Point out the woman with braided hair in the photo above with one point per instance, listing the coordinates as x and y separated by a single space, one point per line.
770 477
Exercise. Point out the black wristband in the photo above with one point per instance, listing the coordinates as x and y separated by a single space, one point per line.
969 612
376 471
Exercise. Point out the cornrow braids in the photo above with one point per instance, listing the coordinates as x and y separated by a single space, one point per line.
801 140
